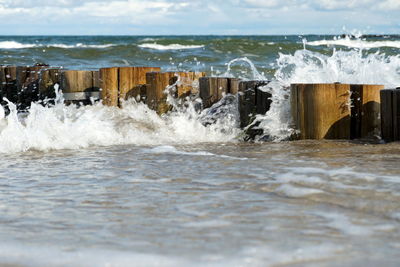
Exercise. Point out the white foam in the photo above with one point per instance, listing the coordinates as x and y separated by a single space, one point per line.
173 150
156 46
70 127
166 149
343 224
15 45
80 45
294 191
24 255
355 43
12 253
312 67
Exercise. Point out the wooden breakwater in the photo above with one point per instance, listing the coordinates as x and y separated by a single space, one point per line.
319 111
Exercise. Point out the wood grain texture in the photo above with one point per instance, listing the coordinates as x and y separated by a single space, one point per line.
213 89
48 78
388 101
131 77
365 112
188 83
158 82
252 100
178 84
109 86
321 111
11 92
73 81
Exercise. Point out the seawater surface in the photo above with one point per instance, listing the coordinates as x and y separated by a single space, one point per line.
103 186
290 203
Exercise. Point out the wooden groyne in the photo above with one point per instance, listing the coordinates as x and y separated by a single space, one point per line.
319 111
336 111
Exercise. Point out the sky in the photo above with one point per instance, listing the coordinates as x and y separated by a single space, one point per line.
193 17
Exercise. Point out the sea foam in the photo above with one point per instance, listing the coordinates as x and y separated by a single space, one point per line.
71 127
355 43
17 45
156 46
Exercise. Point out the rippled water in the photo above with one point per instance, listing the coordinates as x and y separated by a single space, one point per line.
314 203
102 186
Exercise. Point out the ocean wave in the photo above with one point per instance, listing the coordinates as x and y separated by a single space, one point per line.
156 46
71 127
17 45
356 43
80 45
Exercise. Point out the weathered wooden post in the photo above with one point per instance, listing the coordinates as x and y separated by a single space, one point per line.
365 111
27 81
321 111
158 82
390 114
188 83
48 78
252 101
9 83
79 85
335 111
109 86
212 89
132 79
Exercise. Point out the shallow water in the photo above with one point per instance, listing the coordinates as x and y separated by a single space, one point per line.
290 203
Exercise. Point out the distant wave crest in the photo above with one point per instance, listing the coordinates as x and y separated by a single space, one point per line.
169 47
357 43
17 45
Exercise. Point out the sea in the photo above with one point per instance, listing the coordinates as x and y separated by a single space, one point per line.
105 186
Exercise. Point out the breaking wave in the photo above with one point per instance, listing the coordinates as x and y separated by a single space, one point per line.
156 46
355 43
17 45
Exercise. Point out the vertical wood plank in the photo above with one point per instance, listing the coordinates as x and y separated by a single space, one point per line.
158 82
387 114
131 77
109 86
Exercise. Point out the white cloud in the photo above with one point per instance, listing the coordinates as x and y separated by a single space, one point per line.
264 3
194 15
389 5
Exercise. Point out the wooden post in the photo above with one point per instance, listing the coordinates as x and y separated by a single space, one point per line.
212 89
324 111
138 93
321 111
3 84
365 111
109 85
10 83
158 82
130 78
79 85
252 101
27 81
49 78
188 83
390 114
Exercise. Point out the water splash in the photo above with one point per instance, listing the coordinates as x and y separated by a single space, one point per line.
244 73
60 126
305 66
